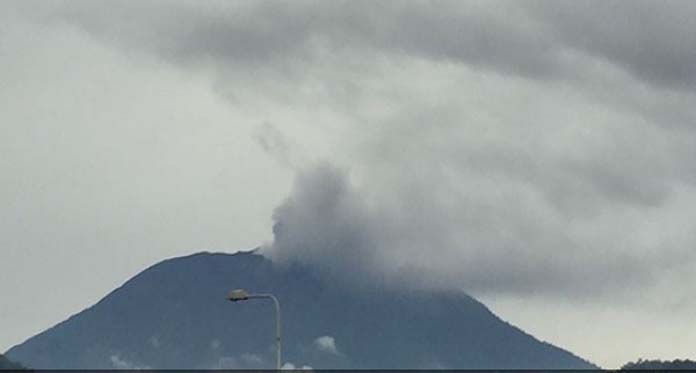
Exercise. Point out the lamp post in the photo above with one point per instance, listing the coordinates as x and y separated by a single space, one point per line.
241 294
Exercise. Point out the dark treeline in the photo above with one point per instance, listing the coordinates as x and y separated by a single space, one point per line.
659 365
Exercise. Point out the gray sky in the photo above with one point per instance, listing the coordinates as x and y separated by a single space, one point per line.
537 154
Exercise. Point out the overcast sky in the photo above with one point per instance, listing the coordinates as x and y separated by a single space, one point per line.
537 154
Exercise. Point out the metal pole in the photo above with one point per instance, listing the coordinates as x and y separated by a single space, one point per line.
277 312
277 308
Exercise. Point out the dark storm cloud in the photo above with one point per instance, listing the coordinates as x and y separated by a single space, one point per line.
543 173
654 41
269 31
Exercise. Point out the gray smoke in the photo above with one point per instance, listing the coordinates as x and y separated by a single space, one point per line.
326 223
427 238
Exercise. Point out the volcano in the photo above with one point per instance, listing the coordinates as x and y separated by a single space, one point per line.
175 315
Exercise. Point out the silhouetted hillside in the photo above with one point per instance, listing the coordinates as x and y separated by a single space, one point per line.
174 315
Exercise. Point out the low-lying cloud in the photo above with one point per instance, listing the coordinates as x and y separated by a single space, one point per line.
292 366
326 344
124 364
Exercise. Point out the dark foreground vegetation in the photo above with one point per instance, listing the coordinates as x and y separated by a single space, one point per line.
660 365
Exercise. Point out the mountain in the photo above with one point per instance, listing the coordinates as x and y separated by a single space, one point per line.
6 364
174 315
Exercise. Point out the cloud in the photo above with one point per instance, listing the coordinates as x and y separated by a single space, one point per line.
521 143
243 361
273 142
326 344
538 39
252 360
228 362
120 363
644 37
133 127
291 366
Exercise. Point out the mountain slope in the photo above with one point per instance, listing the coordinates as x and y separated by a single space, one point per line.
6 364
173 315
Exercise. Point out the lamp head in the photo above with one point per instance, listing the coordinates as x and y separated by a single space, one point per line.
237 295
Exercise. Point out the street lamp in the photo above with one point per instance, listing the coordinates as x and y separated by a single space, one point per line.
241 294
